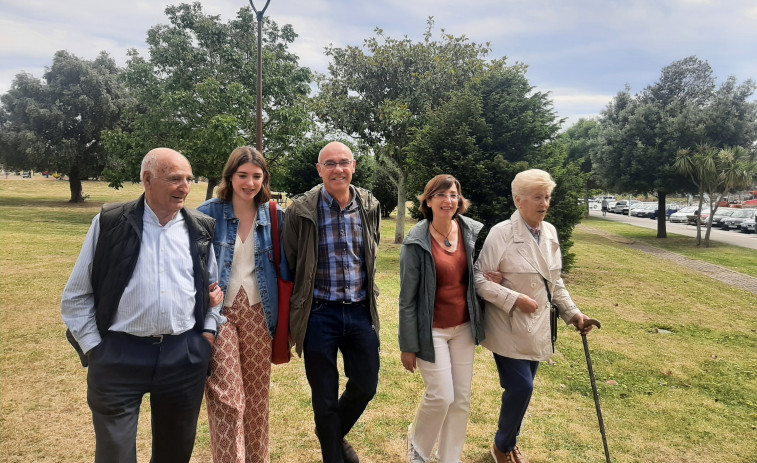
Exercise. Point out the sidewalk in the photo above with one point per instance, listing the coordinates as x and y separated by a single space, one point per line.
713 271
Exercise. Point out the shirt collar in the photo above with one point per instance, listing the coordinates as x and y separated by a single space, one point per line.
331 201
151 217
535 232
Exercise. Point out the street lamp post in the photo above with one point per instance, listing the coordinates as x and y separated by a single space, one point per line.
259 122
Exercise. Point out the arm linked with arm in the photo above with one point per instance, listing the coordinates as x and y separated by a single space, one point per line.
488 261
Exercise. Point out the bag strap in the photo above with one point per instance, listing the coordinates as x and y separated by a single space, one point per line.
549 293
275 232
553 314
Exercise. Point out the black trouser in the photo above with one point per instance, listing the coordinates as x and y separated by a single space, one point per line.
122 369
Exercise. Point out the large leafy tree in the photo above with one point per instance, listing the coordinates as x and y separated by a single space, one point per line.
487 133
196 92
382 92
56 123
641 134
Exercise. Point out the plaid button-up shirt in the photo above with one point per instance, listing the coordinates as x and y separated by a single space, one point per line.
341 273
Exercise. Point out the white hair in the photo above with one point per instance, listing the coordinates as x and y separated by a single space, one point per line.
149 163
532 180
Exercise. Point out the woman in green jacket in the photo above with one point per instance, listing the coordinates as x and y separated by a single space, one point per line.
440 319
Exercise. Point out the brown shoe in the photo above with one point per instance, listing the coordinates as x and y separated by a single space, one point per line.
517 456
499 456
514 456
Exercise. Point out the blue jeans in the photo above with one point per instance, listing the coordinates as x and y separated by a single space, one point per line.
517 379
347 328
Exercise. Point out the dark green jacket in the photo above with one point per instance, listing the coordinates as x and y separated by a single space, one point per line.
301 249
418 288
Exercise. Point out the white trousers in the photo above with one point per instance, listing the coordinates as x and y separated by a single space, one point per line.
443 412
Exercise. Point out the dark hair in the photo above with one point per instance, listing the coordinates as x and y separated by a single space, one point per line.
239 156
439 183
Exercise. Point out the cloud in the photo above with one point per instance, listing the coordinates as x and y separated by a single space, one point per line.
582 50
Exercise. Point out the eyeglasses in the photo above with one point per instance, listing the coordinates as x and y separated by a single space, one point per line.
329 165
452 197
178 180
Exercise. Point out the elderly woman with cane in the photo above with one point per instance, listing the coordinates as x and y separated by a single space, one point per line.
520 321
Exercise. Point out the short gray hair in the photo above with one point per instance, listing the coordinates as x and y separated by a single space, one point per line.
149 163
532 180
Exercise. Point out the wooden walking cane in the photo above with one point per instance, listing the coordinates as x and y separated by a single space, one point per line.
592 321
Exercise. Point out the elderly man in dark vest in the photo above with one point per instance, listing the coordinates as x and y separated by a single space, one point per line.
137 306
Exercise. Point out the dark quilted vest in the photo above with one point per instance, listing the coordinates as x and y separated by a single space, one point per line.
118 249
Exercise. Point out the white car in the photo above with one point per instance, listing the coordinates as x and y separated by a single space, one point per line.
680 215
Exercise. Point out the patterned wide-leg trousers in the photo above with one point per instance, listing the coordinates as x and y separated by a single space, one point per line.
237 392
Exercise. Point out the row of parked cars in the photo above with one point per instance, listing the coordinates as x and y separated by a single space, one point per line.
725 218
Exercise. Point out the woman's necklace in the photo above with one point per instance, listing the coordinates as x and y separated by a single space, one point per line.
446 239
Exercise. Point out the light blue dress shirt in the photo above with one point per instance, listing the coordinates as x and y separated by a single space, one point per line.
159 298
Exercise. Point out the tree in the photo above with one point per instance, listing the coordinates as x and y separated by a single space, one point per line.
715 173
484 135
196 92
578 142
641 134
383 93
57 124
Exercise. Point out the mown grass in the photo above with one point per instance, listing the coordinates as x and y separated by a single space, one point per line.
679 346
719 253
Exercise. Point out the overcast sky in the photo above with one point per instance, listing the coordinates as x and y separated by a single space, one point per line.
581 51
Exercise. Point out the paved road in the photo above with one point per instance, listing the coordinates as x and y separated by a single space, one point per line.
736 238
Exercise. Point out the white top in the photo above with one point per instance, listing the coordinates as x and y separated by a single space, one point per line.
243 271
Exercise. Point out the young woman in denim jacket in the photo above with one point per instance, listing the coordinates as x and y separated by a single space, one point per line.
237 392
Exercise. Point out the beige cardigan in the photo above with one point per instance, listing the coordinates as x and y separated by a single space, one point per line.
510 249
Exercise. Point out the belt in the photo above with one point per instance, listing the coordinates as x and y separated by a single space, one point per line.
154 339
337 303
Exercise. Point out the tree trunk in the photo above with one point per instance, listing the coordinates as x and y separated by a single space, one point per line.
399 230
74 185
212 182
699 219
661 215
586 203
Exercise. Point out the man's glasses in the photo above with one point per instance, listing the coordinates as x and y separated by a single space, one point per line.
330 165
452 197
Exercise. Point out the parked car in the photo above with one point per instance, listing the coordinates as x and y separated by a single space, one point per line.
680 216
734 221
718 220
748 225
622 206
646 211
670 209
691 219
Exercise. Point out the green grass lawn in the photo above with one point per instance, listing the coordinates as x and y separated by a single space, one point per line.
733 257
676 359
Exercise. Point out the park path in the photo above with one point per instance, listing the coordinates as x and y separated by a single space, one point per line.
716 272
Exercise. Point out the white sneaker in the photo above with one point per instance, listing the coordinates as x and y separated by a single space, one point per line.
412 454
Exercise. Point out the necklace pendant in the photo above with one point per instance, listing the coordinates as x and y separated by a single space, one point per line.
447 243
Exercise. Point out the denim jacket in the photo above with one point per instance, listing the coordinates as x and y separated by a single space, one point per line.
265 268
